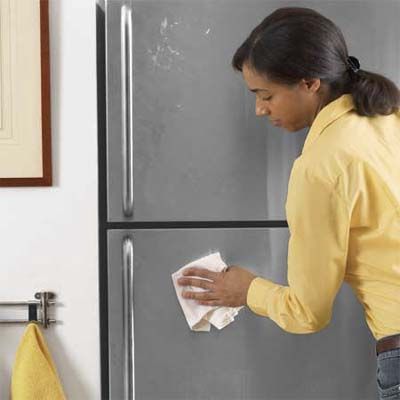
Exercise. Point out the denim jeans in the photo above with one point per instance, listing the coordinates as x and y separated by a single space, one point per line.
388 375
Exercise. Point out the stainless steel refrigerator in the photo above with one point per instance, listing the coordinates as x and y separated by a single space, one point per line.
186 169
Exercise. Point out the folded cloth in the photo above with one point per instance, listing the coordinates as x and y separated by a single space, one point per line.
34 375
200 316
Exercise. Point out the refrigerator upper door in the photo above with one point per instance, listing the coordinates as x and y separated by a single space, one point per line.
155 356
183 140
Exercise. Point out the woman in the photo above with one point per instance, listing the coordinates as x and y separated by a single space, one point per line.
343 204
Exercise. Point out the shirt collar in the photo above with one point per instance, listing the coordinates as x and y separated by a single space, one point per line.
330 113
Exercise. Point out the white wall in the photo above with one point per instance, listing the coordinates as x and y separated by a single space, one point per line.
49 236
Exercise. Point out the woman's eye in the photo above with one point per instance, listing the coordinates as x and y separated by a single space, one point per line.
268 98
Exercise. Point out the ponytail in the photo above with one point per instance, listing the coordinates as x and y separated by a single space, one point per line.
374 94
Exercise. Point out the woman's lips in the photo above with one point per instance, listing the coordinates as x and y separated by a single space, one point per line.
277 122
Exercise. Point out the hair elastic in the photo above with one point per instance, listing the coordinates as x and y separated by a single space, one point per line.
354 64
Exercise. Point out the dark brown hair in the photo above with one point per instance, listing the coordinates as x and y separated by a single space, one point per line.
294 43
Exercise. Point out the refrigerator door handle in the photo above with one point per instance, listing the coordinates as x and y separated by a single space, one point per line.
128 319
127 110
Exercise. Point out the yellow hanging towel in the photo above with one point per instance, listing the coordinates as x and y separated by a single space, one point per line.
34 375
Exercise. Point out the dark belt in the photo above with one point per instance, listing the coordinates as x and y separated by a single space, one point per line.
388 343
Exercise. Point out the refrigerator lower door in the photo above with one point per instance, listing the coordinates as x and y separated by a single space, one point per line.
153 355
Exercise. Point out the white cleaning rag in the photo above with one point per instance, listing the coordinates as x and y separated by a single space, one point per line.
200 316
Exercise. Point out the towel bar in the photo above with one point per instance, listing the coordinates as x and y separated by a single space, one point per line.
44 300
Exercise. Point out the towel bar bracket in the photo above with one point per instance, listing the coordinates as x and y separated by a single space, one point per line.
41 304
50 295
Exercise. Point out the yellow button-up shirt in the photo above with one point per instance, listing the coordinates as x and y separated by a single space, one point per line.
343 213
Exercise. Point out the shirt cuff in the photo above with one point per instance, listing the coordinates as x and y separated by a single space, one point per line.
258 294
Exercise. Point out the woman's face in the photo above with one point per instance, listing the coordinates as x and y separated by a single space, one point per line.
291 107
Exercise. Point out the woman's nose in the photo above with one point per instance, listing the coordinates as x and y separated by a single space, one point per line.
261 109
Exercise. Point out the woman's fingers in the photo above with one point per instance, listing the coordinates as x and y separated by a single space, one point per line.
201 283
202 272
210 303
205 298
199 295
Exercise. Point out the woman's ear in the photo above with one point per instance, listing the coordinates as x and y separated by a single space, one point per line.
311 85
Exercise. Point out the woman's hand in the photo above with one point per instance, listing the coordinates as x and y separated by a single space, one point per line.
228 288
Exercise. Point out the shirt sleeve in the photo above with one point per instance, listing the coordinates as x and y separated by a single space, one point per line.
319 224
